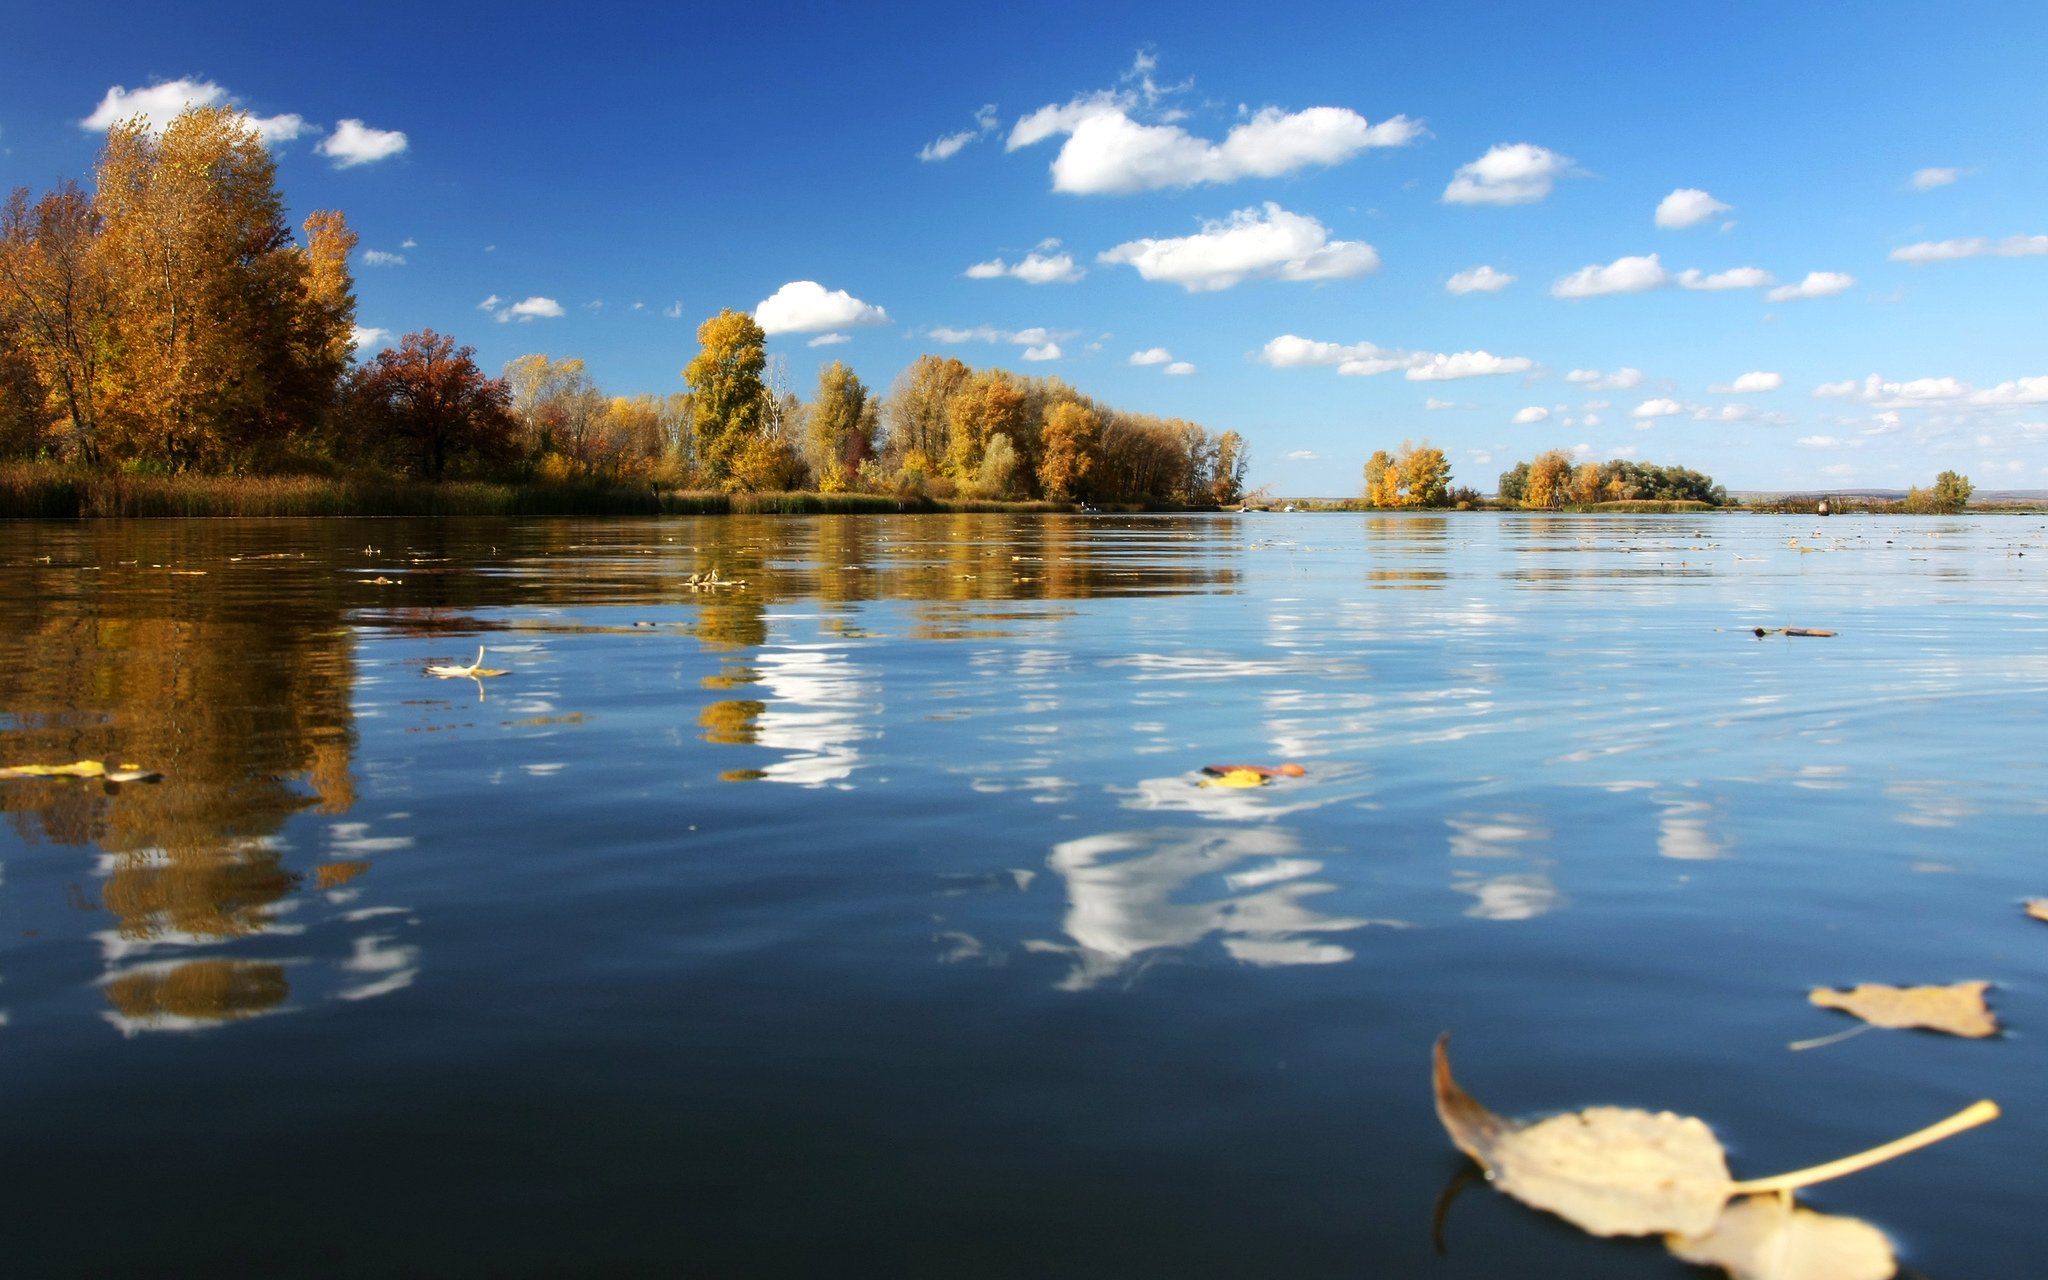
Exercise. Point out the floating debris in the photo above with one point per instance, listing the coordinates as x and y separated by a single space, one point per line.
1956 1010
475 670
84 769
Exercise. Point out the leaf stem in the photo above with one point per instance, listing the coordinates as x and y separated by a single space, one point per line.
1968 1118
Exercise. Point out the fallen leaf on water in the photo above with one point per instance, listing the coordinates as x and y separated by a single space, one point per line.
1768 1238
1614 1171
1956 1010
1284 771
474 670
1609 1170
83 769
2038 908
1236 778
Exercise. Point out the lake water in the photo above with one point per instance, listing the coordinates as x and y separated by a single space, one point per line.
870 918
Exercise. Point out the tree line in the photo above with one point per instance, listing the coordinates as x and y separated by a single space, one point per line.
170 321
1552 480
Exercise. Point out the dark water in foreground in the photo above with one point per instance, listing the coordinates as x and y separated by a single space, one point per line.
869 919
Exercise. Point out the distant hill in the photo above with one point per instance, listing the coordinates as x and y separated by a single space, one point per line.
1884 495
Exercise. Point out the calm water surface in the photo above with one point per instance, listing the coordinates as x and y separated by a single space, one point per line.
870 919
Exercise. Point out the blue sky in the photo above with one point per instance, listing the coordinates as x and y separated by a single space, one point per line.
1258 220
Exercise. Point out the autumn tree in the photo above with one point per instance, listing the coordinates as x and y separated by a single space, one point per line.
990 404
839 428
1382 479
428 405
224 340
915 417
559 410
726 381
1226 483
57 313
1549 481
1069 449
1419 477
1951 492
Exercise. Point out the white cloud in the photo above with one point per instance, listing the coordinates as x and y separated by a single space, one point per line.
1178 369
1595 380
1152 355
1591 420
1734 278
1534 413
1688 207
353 143
1657 408
674 310
805 306
1044 351
1818 284
1109 153
2019 391
531 309
1818 442
1914 392
1466 364
379 258
1749 383
1479 280
1301 455
1040 343
1512 173
490 303
1034 268
364 336
1433 404
828 340
1623 275
160 103
1364 359
949 146
1976 246
408 243
1929 179
1277 245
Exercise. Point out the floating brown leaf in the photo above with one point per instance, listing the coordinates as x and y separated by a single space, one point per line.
1769 1238
1614 1171
1956 1010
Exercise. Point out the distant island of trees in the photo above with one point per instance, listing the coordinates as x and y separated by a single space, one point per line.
169 324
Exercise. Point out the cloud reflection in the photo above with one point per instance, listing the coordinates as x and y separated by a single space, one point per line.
1123 907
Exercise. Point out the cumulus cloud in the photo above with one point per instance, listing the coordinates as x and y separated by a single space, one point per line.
949 146
379 258
1039 343
1043 351
1106 152
534 308
1178 369
160 103
805 306
2018 391
1272 244
1465 364
363 337
1534 413
1734 278
1153 355
1623 275
1479 280
1365 359
1976 246
1512 173
1033 268
1929 179
1657 408
1688 207
353 143
1595 380
1817 284
1749 383
828 340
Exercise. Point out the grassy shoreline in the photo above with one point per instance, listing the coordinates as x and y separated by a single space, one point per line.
33 491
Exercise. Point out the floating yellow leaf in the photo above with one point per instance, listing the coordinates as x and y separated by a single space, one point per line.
2038 908
1236 778
83 769
1614 1171
1769 1238
1956 1010
1608 1170
474 670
